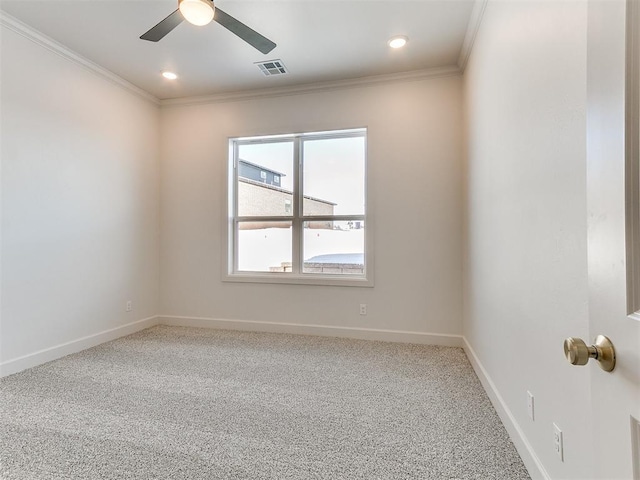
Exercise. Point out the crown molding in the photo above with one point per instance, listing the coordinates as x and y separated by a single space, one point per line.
477 14
318 87
15 25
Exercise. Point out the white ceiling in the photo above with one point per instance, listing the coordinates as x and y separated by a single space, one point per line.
317 40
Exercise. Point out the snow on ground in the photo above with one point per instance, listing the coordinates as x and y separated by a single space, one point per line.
270 247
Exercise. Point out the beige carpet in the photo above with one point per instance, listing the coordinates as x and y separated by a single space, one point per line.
184 403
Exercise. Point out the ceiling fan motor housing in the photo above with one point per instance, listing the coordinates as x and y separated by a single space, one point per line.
197 12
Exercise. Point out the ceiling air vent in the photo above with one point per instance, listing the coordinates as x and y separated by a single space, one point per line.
272 67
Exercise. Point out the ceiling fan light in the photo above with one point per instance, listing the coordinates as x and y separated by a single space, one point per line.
197 12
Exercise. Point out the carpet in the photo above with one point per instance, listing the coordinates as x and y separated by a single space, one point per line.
185 403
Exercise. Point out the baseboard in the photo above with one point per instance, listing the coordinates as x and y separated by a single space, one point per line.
528 455
321 330
18 364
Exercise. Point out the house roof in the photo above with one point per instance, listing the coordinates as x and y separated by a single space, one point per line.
262 167
280 189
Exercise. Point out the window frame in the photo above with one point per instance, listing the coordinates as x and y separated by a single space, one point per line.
297 217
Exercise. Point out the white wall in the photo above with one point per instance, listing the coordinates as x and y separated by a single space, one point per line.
414 155
525 253
80 222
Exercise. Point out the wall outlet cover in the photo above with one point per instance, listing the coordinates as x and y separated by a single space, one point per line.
530 406
558 442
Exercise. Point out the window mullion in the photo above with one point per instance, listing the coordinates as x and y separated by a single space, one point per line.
296 257
235 224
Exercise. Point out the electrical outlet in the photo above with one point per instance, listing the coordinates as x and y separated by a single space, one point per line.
530 405
363 309
557 442
129 306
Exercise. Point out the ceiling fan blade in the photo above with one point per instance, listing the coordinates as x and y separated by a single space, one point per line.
250 36
164 27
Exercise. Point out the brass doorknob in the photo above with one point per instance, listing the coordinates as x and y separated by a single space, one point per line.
578 353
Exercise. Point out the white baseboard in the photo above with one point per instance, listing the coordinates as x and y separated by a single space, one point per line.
18 364
528 455
321 330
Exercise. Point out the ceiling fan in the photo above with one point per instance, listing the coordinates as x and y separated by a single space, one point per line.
201 12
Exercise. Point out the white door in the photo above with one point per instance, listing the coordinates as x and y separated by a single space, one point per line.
612 215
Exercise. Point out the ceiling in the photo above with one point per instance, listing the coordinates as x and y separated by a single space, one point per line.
318 41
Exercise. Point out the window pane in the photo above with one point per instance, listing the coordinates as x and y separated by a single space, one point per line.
265 179
264 246
333 173
334 248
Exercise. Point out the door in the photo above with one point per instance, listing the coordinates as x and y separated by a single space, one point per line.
613 220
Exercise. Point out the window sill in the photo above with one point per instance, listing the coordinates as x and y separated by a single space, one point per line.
293 279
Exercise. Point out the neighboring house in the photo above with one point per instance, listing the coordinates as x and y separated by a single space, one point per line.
258 173
260 193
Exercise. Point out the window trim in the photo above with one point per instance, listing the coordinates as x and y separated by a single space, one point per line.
296 277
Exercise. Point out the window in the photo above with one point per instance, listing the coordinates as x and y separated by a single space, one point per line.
303 219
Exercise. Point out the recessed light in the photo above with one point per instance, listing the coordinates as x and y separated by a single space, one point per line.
397 42
169 75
